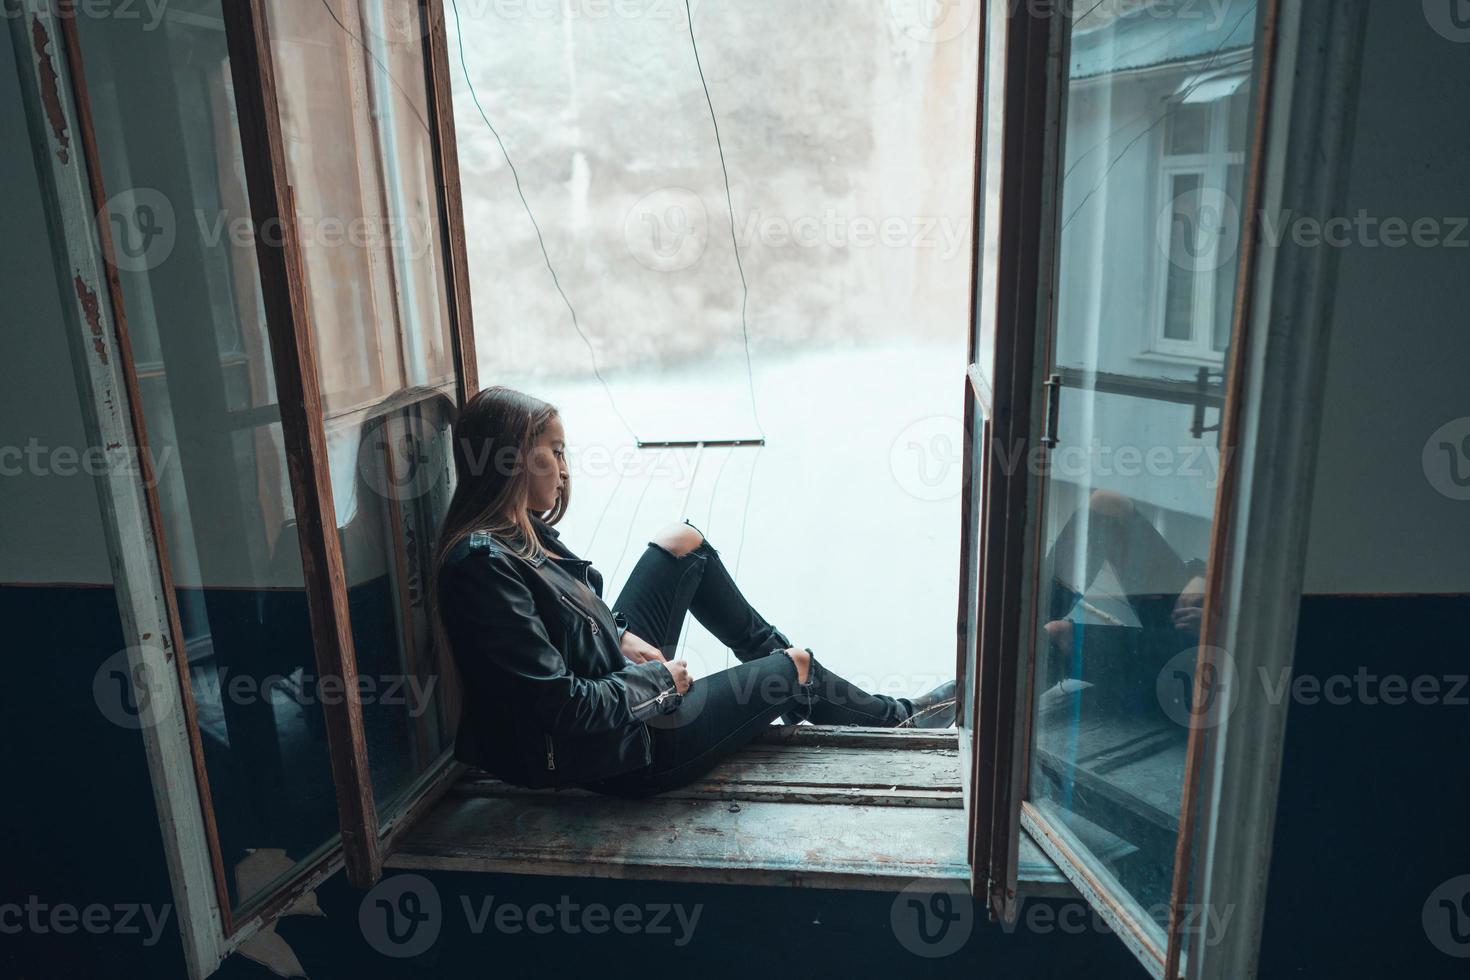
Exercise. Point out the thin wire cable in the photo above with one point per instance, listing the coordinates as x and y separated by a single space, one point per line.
540 239
1155 124
605 507
1143 115
629 535
376 60
709 517
744 518
730 205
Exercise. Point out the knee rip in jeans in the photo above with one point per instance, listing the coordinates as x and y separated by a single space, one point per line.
681 537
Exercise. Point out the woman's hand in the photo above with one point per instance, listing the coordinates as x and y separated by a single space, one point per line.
682 678
637 649
1189 608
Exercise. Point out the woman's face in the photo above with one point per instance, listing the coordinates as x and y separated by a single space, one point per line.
548 465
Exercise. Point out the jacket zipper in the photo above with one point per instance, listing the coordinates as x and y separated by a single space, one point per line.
550 754
585 614
658 699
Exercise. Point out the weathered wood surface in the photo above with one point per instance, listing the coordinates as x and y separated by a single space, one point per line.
807 771
800 806
719 841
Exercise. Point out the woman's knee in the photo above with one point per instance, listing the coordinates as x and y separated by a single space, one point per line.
678 539
803 661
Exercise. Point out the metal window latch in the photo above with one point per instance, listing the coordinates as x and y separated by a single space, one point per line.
1202 387
1053 407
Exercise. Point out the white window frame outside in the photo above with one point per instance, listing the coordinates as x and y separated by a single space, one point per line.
1213 169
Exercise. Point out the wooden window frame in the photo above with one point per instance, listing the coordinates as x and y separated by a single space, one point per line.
59 116
1304 91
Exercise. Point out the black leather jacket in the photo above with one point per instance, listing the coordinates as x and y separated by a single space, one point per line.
549 699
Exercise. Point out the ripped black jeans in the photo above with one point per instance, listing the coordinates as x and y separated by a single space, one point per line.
724 711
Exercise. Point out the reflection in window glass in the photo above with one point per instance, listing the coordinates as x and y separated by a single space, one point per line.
354 113
172 163
1150 220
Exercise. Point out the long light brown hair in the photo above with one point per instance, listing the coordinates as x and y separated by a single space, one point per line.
493 438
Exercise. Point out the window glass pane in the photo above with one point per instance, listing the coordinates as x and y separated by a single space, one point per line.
1189 127
1184 233
172 162
354 113
1129 498
1237 131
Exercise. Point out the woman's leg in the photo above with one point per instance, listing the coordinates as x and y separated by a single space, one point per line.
720 714
681 572
667 581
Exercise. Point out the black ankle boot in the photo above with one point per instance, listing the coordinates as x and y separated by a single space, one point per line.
936 709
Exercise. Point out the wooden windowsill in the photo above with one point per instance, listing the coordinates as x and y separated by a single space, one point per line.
801 806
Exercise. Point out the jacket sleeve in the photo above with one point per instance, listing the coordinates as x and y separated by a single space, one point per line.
491 619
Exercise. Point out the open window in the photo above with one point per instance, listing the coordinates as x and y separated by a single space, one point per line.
254 205
1120 390
292 184
1121 163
